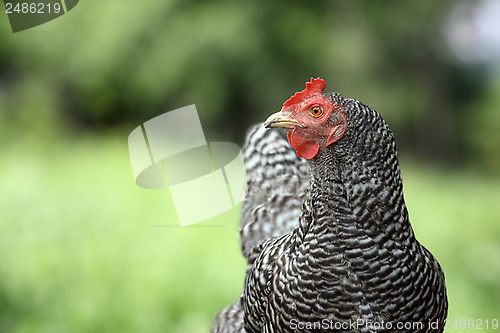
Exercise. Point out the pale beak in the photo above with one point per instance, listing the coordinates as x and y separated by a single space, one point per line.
278 119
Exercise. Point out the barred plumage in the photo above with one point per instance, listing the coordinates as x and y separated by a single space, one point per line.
353 257
277 179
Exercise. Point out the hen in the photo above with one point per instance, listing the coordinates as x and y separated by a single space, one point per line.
331 248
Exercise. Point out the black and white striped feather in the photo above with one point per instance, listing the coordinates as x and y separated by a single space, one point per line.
277 179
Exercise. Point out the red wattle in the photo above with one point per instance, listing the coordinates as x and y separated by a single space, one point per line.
304 146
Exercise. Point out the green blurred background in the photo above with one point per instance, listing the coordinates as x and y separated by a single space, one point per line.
83 249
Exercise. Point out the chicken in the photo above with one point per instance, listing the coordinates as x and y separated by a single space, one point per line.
349 260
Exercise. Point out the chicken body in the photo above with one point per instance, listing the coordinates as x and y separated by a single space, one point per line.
350 262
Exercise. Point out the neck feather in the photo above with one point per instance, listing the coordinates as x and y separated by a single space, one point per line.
358 192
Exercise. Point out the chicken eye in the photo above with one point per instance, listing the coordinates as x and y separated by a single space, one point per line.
317 111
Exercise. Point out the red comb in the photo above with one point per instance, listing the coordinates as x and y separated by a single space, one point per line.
316 86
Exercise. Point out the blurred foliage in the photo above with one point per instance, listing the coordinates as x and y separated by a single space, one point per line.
110 64
81 249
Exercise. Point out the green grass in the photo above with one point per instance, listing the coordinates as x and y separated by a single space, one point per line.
82 250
